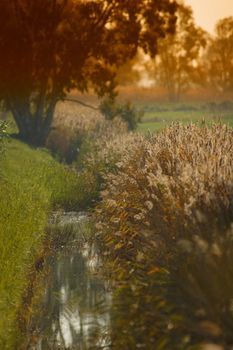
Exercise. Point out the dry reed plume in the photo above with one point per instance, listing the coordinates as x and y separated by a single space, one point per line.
164 229
165 187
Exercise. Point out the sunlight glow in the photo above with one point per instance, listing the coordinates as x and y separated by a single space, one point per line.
208 12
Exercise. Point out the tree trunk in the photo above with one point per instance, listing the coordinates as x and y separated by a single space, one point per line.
34 127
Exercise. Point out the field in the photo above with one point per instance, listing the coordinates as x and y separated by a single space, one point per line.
159 115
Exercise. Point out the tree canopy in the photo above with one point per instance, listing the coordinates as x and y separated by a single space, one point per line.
178 63
220 56
49 47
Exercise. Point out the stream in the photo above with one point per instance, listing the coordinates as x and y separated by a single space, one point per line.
75 306
72 311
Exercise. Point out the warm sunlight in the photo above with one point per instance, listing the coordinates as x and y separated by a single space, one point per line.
208 12
116 174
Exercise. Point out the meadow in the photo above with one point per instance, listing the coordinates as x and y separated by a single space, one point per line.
158 112
159 115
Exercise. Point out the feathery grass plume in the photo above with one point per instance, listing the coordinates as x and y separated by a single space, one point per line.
76 130
165 186
164 230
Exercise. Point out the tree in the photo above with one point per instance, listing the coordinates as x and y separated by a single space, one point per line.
49 47
220 56
178 63
128 74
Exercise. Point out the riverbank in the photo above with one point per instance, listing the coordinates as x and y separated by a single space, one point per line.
163 228
68 303
32 183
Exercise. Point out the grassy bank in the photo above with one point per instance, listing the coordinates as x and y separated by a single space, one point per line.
31 184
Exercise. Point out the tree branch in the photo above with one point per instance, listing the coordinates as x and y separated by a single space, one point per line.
81 103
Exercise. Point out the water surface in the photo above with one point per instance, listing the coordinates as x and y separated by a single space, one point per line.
73 309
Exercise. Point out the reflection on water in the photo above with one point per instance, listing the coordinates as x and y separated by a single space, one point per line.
74 306
164 310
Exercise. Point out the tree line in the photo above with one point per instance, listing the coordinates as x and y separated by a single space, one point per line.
49 47
190 57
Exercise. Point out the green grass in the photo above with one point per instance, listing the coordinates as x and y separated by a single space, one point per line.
31 184
159 115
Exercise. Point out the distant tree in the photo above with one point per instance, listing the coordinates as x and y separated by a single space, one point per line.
49 47
178 63
219 58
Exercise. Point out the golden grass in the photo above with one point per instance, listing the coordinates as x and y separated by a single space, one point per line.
164 187
164 229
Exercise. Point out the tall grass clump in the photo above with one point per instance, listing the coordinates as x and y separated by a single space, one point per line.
169 184
79 137
164 227
100 151
71 126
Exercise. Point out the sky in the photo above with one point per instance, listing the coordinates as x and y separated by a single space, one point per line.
208 12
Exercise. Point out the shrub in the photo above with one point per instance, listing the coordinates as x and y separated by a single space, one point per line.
126 112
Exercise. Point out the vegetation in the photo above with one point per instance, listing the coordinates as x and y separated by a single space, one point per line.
77 130
32 183
163 202
64 45
165 216
188 60
126 112
220 67
157 116
178 64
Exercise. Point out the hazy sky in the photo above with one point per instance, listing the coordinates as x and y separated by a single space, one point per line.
207 12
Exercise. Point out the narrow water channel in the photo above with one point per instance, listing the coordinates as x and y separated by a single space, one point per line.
73 308
76 307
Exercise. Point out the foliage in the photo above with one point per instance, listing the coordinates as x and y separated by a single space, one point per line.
48 48
219 56
178 63
126 112
163 227
128 73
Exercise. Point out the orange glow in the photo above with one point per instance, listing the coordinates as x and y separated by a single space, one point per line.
208 12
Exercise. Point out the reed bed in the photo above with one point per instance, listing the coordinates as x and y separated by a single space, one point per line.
164 227
167 185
